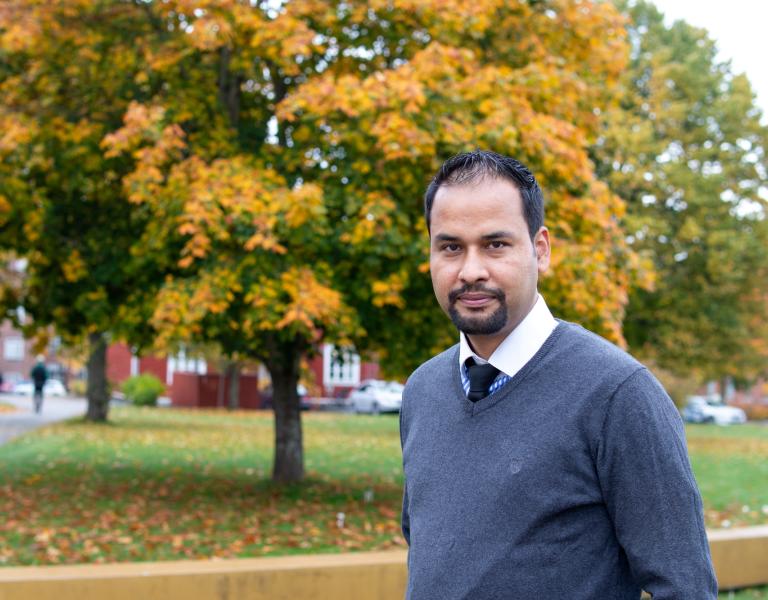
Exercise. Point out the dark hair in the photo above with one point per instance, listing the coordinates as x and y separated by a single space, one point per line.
468 167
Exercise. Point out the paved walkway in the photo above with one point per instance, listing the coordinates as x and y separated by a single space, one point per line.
13 424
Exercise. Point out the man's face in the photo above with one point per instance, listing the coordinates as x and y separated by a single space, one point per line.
483 262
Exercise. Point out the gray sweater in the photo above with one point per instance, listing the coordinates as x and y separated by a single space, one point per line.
572 481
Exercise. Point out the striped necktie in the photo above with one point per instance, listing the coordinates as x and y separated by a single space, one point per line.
480 379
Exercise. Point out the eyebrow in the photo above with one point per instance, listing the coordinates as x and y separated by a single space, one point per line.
445 237
498 234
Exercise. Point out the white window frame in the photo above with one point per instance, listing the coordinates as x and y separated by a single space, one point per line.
183 364
346 372
14 348
134 364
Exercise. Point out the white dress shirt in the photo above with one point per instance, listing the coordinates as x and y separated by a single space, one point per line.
516 349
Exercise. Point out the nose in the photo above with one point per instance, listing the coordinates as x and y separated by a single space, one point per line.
473 269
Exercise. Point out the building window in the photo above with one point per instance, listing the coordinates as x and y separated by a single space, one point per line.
183 364
341 366
13 348
135 365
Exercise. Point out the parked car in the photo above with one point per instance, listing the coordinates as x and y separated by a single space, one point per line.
52 387
375 396
701 409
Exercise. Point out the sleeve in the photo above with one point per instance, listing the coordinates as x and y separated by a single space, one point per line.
651 494
405 521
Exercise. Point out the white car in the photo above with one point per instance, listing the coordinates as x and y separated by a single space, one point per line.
711 410
374 396
52 387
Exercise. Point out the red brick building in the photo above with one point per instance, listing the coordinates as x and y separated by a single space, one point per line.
194 382
17 356
336 371
122 363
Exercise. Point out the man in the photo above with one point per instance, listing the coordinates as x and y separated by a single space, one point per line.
39 376
541 462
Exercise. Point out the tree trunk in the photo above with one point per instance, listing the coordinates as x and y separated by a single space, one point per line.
234 385
283 365
229 86
97 392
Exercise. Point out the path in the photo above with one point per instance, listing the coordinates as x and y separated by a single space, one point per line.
13 424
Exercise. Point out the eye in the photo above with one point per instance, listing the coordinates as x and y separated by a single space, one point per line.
497 245
451 247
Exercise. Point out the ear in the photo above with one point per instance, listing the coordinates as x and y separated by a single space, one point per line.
542 249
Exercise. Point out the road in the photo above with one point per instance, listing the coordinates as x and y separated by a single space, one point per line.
13 424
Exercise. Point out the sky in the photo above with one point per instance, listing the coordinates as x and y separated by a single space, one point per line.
740 29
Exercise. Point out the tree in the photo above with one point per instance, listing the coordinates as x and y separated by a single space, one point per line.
686 150
67 73
289 146
279 152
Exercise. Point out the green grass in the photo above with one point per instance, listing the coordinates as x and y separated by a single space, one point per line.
169 484
760 593
732 472
158 485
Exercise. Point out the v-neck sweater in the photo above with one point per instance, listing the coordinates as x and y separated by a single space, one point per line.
570 481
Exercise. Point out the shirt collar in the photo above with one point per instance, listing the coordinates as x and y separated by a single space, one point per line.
520 345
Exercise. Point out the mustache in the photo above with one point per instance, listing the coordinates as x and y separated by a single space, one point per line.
453 296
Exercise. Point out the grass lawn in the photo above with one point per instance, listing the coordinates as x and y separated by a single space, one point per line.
171 484
750 594
731 468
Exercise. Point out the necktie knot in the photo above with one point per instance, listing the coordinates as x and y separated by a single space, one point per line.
480 379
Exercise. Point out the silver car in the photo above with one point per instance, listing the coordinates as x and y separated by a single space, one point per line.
52 387
711 410
374 396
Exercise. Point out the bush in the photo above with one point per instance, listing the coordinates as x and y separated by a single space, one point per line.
143 390
755 412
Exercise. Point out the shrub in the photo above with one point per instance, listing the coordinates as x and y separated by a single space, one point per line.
143 390
755 412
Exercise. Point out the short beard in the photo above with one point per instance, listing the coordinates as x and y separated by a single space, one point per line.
491 324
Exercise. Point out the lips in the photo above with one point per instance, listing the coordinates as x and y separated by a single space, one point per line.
476 298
